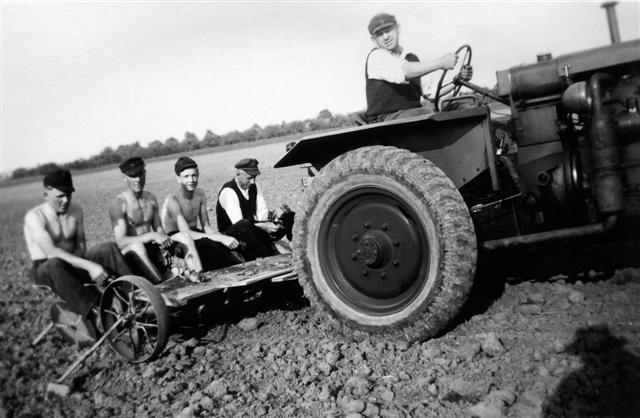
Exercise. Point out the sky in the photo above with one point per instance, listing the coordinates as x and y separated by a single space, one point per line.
77 77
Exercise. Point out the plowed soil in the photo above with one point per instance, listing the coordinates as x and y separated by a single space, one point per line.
548 331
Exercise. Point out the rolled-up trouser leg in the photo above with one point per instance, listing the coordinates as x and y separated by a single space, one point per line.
108 255
73 285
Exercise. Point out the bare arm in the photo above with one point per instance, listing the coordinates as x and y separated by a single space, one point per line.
80 248
211 233
204 216
35 227
157 225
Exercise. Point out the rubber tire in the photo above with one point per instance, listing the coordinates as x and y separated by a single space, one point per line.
445 220
159 308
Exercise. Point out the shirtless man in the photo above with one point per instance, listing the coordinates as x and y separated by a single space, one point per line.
181 212
54 234
136 224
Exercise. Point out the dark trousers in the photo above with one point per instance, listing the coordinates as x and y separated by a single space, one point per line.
74 285
259 243
215 255
157 257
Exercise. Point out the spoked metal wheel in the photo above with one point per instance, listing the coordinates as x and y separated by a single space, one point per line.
144 328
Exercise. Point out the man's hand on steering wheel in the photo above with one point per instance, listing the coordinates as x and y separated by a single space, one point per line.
464 73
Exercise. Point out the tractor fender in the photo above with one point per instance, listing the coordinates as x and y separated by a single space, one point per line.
455 141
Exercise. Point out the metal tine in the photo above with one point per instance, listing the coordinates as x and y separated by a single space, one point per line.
109 311
147 324
122 299
147 339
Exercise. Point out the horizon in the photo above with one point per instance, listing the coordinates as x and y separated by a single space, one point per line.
86 76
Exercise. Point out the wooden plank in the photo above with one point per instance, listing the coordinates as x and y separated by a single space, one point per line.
285 277
177 292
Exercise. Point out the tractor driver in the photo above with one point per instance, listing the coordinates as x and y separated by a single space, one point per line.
393 75
54 234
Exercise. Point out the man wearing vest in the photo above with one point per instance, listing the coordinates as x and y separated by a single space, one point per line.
242 212
393 75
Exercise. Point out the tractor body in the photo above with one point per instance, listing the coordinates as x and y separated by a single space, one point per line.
552 152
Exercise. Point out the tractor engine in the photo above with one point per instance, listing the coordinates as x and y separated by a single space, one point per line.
576 129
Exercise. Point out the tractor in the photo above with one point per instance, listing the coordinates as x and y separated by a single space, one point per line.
396 213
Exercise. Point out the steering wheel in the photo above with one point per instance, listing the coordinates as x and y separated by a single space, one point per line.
460 65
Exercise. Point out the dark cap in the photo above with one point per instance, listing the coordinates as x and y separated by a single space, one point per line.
249 165
381 21
132 167
59 179
183 163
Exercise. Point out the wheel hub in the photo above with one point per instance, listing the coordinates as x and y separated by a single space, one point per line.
372 249
375 247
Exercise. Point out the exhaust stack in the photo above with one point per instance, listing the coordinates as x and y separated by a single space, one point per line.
612 18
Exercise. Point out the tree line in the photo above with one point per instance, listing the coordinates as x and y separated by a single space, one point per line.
190 142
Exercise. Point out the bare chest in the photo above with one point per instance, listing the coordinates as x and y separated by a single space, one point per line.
190 209
62 228
140 212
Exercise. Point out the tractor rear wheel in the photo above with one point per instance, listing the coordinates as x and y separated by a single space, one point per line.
386 243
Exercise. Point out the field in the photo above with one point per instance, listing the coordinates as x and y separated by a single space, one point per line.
532 341
95 190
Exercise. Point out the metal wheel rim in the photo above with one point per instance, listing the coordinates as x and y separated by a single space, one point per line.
136 338
349 246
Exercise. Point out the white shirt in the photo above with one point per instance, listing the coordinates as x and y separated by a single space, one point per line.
229 201
387 66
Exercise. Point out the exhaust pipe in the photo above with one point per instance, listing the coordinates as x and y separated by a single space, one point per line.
567 233
605 156
612 18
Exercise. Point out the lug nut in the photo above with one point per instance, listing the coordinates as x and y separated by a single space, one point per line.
396 242
385 227
354 256
366 225
365 272
354 237
396 262
383 275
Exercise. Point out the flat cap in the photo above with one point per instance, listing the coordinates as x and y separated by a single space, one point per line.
183 163
59 179
381 21
131 167
248 165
